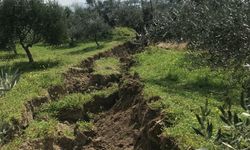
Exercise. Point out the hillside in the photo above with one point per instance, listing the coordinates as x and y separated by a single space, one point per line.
124 75
118 97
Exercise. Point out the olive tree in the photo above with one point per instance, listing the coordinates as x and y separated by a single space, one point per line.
6 33
129 14
96 28
54 29
76 24
222 28
29 22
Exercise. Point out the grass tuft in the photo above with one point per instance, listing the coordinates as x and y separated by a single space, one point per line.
107 66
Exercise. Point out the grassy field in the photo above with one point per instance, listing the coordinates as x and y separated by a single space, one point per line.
46 71
49 64
179 77
36 78
183 86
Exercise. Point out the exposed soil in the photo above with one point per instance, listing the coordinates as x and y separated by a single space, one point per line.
123 120
131 123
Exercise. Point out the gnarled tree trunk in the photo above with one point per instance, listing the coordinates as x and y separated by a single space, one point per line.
28 53
96 41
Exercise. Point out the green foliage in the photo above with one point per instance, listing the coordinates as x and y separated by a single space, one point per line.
84 126
206 127
235 134
220 27
86 24
30 21
8 80
129 15
122 13
42 129
172 75
245 95
76 24
54 27
96 28
5 128
123 32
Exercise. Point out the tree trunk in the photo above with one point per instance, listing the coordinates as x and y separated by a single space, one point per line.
96 41
152 7
26 48
31 60
15 52
14 49
72 42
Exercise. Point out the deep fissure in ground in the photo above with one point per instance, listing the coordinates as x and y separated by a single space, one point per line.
122 120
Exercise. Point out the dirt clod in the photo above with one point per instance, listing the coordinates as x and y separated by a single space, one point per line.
56 92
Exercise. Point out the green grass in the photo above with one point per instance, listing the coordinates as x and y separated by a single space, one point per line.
42 130
46 71
107 66
70 102
123 32
85 126
48 128
52 128
73 101
183 87
36 78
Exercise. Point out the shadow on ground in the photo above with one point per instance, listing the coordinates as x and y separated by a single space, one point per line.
193 61
7 57
85 50
31 67
202 85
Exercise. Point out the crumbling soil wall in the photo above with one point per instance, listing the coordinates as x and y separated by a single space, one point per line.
123 120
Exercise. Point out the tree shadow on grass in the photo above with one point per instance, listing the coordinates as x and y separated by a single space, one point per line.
85 50
203 86
62 47
7 57
193 60
32 67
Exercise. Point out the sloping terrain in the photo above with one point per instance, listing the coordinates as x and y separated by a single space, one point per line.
184 82
97 107
129 97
